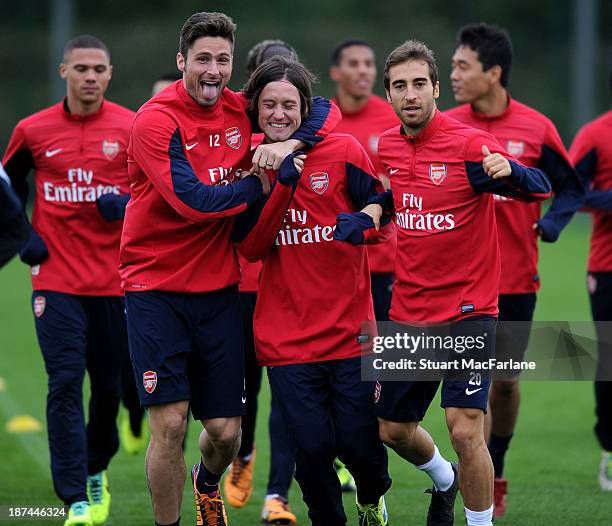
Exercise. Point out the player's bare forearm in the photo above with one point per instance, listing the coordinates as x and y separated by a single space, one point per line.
375 212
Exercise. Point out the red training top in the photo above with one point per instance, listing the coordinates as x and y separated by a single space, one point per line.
367 125
447 264
315 292
181 160
76 159
591 153
531 138
249 272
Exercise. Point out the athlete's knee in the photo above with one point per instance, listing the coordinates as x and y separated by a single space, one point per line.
505 388
396 434
168 423
466 429
223 432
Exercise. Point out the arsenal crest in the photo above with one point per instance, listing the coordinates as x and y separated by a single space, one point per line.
319 182
39 306
515 148
377 390
110 149
233 138
149 381
437 173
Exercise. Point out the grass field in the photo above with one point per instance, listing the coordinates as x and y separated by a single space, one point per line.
552 465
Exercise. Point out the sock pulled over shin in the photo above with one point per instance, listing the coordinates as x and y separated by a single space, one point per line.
440 471
498 445
206 481
479 518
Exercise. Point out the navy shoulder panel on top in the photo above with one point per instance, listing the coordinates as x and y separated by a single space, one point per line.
556 167
586 166
569 193
200 196
361 185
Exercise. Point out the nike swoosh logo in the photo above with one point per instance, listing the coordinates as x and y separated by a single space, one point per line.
391 172
190 146
470 392
51 153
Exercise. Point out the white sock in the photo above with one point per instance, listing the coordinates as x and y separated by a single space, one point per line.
479 518
272 496
439 470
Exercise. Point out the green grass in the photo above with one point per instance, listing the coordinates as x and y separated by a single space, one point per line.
552 464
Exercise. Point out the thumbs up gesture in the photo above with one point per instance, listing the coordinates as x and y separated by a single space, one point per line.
495 165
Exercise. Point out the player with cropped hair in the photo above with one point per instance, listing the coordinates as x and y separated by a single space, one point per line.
181 275
442 176
77 149
480 77
366 116
313 360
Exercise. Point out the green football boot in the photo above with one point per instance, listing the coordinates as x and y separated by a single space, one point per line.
99 497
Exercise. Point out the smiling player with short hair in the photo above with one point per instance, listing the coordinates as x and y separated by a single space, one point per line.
366 116
179 266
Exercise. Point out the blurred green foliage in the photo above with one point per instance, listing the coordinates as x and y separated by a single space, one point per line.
143 37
